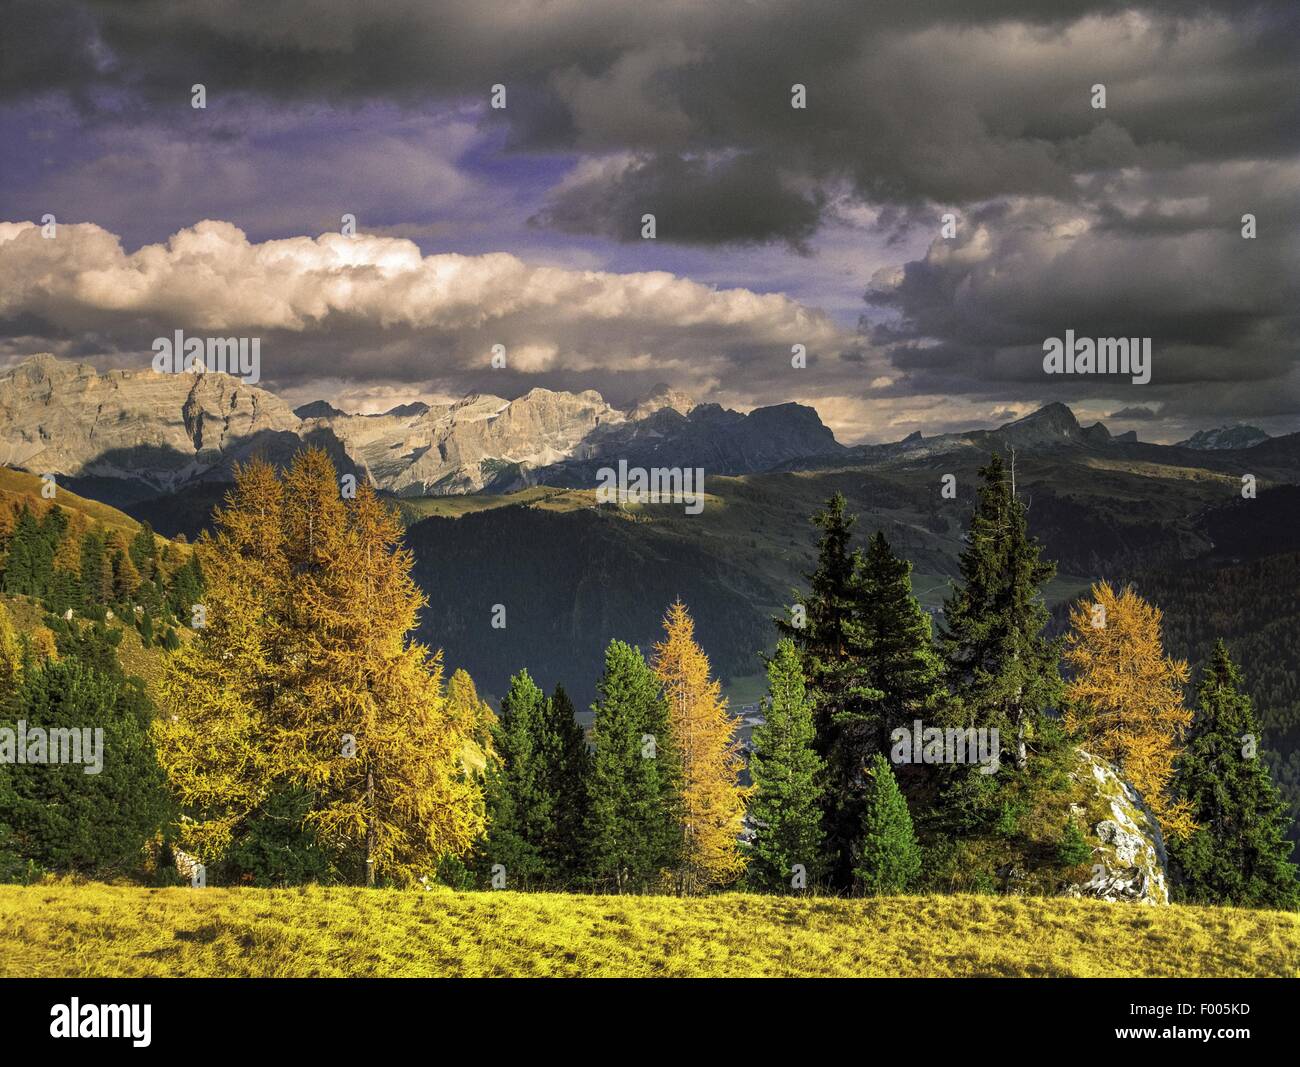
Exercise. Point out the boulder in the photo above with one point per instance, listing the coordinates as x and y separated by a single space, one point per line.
1129 862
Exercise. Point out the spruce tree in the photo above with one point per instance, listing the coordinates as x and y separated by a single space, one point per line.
520 812
786 772
898 654
1238 854
999 663
831 644
567 767
889 859
633 832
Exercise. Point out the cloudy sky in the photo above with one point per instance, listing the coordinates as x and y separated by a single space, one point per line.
775 225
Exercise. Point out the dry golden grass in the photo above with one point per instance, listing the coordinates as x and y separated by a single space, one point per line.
98 930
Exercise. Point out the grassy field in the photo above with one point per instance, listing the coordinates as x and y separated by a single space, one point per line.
97 930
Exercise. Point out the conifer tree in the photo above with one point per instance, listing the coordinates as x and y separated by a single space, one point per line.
634 833
474 718
1238 853
1000 665
786 772
218 737
1125 698
144 552
11 656
831 644
400 800
889 859
95 587
712 806
21 560
568 766
56 814
898 655
520 809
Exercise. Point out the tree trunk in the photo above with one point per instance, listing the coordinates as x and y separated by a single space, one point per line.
370 829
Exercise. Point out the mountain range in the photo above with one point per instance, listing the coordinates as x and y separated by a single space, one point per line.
131 435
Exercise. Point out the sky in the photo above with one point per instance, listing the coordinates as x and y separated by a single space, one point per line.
776 226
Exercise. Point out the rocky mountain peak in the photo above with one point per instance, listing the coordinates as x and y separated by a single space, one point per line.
660 397
1225 437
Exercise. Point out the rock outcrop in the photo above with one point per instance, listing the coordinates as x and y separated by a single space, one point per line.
1128 861
166 430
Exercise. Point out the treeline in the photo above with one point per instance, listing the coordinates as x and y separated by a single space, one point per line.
66 676
66 562
305 737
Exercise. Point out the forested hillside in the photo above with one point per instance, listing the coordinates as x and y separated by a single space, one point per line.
1255 607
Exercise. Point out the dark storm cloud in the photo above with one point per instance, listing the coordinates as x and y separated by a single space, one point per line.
1117 222
739 199
971 316
947 102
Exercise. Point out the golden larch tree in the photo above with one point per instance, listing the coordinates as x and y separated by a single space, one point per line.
368 729
1125 698
713 800
215 733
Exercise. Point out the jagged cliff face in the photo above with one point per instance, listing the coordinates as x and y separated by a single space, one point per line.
477 443
167 430
65 418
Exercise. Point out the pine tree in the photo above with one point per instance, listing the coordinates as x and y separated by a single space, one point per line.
633 835
1000 665
786 771
1238 854
568 766
712 799
521 816
889 859
831 645
1125 699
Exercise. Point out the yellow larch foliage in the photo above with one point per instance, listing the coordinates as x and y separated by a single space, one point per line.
402 799
713 800
11 654
302 675
217 693
1126 695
